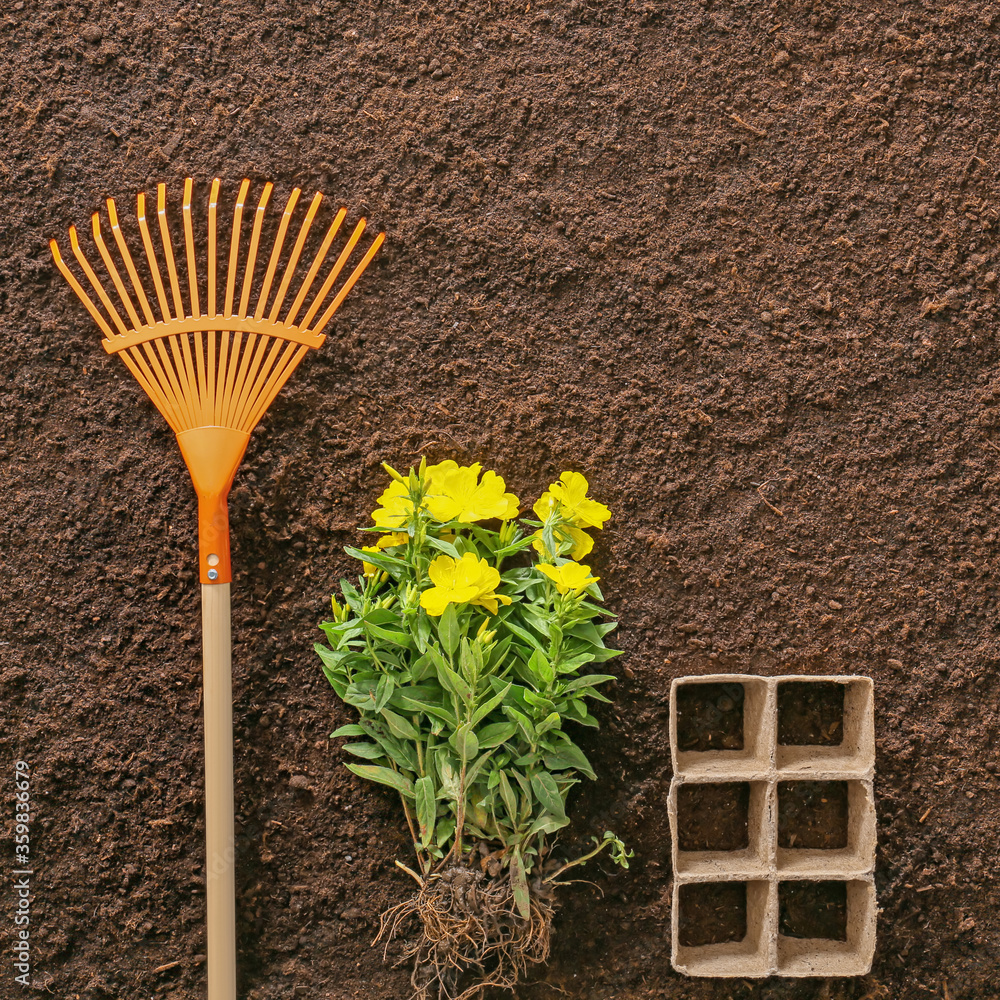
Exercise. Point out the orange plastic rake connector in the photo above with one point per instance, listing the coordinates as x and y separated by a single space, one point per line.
211 373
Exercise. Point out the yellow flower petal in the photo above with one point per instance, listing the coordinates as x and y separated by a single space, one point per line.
569 576
570 494
469 580
581 542
457 494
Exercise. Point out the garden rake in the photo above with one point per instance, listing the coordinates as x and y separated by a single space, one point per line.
212 375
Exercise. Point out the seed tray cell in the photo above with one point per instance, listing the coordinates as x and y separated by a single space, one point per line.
757 817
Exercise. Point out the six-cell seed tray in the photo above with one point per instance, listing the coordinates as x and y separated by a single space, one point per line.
772 820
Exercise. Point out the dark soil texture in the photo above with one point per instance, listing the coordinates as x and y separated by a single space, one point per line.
713 817
710 717
712 913
810 714
812 814
813 910
735 262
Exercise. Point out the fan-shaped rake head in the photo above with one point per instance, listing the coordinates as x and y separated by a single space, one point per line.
212 372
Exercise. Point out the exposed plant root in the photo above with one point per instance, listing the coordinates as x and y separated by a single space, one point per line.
469 926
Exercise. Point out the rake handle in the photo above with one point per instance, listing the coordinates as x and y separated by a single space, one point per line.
220 856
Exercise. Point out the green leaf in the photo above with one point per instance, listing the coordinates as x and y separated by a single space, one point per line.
451 680
495 734
449 776
508 795
351 729
384 776
449 631
551 721
391 564
442 546
523 633
354 600
411 703
361 694
472 771
367 750
399 726
523 722
489 705
547 824
396 637
541 667
569 755
465 743
519 883
445 831
383 692
547 792
426 808
587 680
539 702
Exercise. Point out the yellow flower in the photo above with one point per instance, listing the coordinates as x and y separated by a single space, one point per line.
581 541
569 576
396 538
469 580
456 493
369 569
570 495
395 508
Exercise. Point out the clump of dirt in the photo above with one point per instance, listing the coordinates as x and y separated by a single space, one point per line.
468 928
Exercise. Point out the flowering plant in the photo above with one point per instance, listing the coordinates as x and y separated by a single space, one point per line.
463 648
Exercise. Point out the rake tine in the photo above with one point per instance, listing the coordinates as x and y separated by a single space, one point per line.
78 288
109 263
199 337
129 263
334 273
349 284
220 378
296 252
74 242
168 248
314 270
189 247
154 267
234 246
279 242
254 242
213 205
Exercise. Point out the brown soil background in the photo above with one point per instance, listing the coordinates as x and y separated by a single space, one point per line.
737 262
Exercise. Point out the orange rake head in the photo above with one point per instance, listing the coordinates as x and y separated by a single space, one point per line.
213 373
